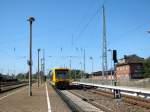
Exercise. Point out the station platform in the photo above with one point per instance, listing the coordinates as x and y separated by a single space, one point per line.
43 99
19 100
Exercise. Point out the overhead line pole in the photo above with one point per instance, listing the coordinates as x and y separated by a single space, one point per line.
43 62
104 47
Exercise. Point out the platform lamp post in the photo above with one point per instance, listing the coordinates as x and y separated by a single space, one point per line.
50 61
0 81
38 76
83 50
41 74
81 70
91 58
30 19
148 31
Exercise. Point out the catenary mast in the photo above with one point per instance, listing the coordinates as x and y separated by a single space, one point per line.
104 45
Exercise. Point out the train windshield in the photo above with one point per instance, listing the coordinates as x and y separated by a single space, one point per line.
62 74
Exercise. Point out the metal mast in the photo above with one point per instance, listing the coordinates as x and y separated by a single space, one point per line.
38 76
104 46
84 61
43 62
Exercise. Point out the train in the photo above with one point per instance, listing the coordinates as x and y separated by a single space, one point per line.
60 77
7 78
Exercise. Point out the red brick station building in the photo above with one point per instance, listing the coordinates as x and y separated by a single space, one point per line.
127 68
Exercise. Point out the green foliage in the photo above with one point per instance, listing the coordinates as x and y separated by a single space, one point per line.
75 74
23 76
20 76
147 67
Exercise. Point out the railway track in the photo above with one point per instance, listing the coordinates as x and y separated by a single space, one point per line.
138 101
76 103
91 101
105 101
10 86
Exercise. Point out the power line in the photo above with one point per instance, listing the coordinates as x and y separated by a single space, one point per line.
6 53
90 20
85 15
133 29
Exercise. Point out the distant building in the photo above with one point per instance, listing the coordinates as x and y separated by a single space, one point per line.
98 75
130 67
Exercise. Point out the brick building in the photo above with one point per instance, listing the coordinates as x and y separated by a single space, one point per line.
130 67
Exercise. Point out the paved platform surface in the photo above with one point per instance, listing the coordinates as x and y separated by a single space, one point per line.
57 104
19 101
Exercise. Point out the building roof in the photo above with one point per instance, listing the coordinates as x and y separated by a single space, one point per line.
130 59
99 73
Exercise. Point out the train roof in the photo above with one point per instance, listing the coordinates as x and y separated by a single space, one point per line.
60 69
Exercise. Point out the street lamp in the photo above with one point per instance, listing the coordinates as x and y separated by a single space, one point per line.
91 58
81 69
38 76
41 74
0 82
148 31
70 60
51 61
30 19
83 50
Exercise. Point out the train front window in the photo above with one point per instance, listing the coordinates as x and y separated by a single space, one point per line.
62 74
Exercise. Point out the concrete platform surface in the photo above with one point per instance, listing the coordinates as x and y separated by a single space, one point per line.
44 99
19 101
57 104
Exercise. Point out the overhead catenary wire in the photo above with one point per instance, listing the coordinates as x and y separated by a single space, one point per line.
84 16
87 24
132 30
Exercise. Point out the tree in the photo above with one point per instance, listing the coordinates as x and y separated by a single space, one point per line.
75 74
20 76
147 67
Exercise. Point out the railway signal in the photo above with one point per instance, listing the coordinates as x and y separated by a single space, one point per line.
115 61
115 56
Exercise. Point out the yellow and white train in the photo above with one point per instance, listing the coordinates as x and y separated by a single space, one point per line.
60 77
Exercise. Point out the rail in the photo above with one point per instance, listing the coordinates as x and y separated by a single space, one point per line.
8 87
119 89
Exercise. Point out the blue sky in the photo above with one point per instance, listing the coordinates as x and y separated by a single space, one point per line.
71 25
